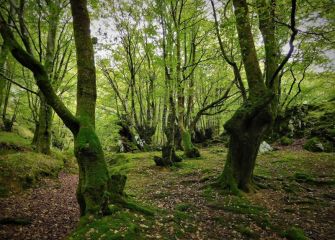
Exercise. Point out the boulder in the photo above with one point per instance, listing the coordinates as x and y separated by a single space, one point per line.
264 147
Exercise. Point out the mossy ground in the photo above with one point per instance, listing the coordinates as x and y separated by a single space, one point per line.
21 167
295 189
295 199
22 170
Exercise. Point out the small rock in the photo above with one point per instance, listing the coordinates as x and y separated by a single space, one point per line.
264 147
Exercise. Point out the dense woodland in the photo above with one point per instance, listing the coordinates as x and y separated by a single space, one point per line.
167 119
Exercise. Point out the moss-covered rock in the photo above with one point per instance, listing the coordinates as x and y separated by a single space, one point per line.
310 121
192 153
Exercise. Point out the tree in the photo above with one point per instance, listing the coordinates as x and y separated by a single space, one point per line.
254 118
94 180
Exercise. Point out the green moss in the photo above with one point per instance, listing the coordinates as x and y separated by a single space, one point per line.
208 193
286 141
22 170
302 177
295 233
70 162
13 138
237 205
306 178
134 206
226 181
180 216
120 225
11 143
189 150
93 172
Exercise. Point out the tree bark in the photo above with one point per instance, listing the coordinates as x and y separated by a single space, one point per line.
251 121
43 142
93 173
255 117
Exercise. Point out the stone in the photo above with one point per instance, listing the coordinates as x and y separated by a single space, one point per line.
264 147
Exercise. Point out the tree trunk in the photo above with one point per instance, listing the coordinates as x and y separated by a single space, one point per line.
186 141
3 58
35 138
251 121
43 142
93 173
246 129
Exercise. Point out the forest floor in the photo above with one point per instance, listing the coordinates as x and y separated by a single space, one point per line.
47 211
296 199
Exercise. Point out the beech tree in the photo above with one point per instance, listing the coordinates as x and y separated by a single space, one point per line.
94 179
254 118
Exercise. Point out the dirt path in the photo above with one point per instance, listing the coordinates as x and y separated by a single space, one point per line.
52 208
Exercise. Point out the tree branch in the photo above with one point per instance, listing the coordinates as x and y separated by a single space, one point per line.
17 84
294 33
41 77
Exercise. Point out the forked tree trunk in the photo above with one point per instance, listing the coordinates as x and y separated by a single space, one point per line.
255 117
249 123
246 129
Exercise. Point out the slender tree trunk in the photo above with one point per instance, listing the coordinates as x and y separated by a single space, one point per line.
186 141
35 137
3 58
43 139
43 142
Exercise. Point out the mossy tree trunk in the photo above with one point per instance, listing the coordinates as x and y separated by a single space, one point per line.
43 142
189 149
94 176
3 84
169 113
94 180
43 128
255 117
3 57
